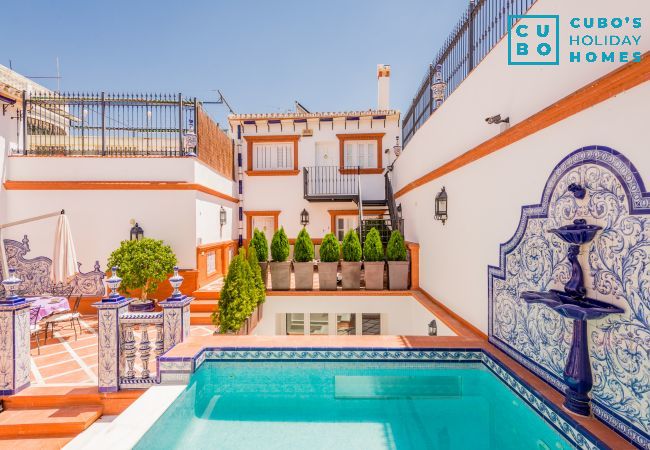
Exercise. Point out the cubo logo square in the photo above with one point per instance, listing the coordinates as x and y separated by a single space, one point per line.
533 40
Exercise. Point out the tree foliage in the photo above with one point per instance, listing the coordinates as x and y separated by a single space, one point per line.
372 248
280 246
260 244
257 277
143 264
351 247
303 250
396 250
330 248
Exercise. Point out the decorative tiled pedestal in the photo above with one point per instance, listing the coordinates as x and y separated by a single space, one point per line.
14 345
176 320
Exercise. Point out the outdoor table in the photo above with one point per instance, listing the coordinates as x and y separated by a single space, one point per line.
49 306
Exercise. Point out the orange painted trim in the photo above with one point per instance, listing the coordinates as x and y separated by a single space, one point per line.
363 171
114 186
361 137
454 315
221 251
414 250
271 173
622 79
349 212
249 221
250 140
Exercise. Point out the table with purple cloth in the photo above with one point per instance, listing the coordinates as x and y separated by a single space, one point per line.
49 306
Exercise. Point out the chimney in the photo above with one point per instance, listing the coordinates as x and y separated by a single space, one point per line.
383 86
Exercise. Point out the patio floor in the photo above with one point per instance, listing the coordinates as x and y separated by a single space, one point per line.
64 361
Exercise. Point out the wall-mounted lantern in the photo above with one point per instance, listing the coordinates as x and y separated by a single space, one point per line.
304 218
399 210
222 216
397 149
441 206
137 232
433 328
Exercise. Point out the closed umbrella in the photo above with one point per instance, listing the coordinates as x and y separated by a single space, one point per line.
64 260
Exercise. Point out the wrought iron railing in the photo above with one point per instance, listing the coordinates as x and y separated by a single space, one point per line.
480 28
384 225
102 124
396 220
330 182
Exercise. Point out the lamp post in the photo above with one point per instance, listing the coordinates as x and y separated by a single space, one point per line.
441 206
304 218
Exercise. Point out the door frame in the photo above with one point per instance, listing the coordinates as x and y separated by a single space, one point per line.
249 221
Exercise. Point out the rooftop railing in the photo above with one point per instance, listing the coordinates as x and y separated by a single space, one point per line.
480 28
103 124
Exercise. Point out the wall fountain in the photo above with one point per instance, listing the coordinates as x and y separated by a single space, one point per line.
573 303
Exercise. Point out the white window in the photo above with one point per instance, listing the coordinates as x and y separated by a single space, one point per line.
344 224
273 156
361 153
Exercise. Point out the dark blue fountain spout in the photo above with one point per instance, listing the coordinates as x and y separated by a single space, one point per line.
572 303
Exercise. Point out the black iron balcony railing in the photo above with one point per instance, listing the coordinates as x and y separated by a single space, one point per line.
480 28
102 124
328 183
384 225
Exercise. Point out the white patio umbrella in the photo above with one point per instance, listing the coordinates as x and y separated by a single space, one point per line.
64 259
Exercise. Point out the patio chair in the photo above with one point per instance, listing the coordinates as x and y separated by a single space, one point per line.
58 318
34 326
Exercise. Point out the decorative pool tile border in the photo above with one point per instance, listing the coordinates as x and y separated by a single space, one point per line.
175 370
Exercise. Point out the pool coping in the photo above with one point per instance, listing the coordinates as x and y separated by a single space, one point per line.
178 370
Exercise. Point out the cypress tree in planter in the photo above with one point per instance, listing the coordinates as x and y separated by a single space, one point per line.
280 267
238 297
303 261
351 264
258 282
398 266
261 246
373 261
330 253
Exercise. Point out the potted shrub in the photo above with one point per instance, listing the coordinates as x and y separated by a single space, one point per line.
280 267
258 281
373 261
330 253
238 297
261 246
303 261
351 264
143 265
398 266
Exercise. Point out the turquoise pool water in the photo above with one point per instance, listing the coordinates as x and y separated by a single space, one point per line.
349 405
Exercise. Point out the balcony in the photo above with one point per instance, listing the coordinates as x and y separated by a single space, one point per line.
330 184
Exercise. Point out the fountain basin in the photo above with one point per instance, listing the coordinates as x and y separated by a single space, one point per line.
570 307
577 233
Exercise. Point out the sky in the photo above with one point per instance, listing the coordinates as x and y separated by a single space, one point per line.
262 55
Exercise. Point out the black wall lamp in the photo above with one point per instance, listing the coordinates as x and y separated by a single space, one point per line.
433 328
304 218
222 216
137 232
441 206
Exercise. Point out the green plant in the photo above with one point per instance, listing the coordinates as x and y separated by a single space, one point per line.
257 276
280 246
238 296
303 250
330 248
372 248
260 244
351 247
143 264
396 250
382 228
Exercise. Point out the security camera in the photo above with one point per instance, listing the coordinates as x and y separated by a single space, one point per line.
497 119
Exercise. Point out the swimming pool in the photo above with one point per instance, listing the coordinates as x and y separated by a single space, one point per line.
347 399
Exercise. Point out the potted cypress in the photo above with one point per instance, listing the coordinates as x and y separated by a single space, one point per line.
280 267
261 246
238 297
303 261
351 264
330 252
259 287
398 266
373 261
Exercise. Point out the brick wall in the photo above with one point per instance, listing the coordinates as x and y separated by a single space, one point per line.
214 146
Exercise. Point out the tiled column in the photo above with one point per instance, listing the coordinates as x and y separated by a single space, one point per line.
176 314
14 345
108 318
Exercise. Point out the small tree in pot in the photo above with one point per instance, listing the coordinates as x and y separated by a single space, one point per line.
261 246
398 266
330 253
303 261
258 282
238 297
280 267
143 265
351 264
373 261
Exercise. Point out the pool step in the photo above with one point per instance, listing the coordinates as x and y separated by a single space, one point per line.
58 421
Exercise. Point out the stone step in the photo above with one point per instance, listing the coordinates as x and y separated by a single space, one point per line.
63 421
203 305
200 318
39 442
206 295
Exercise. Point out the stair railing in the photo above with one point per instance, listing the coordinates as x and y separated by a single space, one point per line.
360 206
396 222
